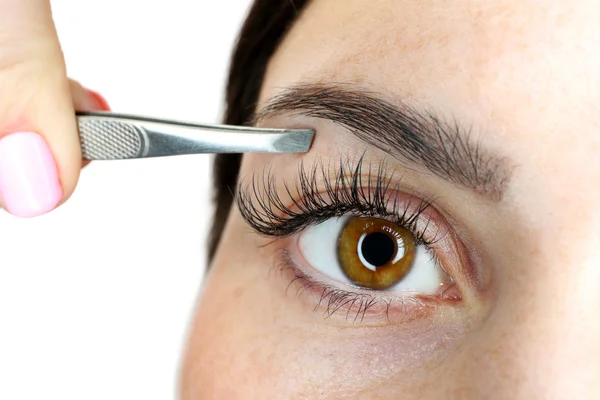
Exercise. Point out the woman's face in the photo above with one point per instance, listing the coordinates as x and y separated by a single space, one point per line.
441 239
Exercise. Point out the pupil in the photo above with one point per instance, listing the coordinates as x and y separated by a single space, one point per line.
378 248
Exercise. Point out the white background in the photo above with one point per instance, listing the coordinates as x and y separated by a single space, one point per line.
96 297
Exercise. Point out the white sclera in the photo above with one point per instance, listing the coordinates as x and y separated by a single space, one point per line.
318 244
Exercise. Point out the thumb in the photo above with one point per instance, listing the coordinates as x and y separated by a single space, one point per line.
40 157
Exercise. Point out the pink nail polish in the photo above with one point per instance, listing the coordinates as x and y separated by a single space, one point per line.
29 183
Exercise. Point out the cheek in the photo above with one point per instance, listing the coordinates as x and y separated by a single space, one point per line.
231 352
250 339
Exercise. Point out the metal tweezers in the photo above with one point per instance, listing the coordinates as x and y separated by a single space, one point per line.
109 136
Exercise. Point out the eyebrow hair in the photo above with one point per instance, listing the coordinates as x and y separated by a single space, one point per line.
444 148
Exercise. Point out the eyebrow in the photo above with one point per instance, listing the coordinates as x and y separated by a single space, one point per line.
445 148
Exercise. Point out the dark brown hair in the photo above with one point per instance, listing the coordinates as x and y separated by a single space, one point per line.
264 28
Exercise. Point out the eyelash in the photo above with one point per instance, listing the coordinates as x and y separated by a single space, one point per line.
346 193
340 192
354 303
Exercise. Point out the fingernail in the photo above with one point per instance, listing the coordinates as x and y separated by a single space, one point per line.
29 183
101 103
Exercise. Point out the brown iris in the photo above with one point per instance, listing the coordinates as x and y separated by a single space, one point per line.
375 253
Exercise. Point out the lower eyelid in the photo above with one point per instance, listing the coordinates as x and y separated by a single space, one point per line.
355 305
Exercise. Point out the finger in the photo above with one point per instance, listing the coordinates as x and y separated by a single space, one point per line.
40 157
85 99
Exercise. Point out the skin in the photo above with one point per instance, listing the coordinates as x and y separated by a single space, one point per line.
526 75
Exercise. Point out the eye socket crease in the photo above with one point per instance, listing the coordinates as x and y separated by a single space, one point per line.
420 137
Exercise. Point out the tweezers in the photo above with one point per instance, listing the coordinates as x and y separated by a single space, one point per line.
110 136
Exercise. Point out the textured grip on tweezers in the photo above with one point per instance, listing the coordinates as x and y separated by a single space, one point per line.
111 140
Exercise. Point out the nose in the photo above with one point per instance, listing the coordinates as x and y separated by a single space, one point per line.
542 337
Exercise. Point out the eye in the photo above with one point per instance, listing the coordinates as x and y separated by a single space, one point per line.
371 253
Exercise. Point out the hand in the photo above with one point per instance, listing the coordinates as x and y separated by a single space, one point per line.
40 155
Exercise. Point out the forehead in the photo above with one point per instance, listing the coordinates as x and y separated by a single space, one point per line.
526 69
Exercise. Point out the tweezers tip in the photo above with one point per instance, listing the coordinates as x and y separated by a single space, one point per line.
298 141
